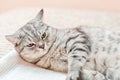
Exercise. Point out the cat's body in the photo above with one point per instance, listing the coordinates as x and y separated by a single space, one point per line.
57 56
84 53
105 45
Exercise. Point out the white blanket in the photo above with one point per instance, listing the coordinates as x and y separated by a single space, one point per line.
12 67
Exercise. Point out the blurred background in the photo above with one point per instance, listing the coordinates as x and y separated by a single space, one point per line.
104 5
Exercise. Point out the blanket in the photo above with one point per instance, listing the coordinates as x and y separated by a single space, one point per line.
12 67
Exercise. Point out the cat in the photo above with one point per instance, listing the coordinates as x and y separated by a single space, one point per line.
84 53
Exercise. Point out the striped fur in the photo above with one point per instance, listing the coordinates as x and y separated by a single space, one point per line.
84 53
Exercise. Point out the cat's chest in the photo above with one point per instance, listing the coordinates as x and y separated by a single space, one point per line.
56 59
59 56
59 62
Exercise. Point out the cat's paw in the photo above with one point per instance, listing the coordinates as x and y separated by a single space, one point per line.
92 75
74 76
85 75
113 74
99 76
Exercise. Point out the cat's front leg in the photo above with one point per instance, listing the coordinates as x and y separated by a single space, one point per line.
76 60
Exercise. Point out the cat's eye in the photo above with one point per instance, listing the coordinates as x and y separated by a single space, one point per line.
43 35
31 45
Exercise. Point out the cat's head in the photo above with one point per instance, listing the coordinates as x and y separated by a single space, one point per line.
33 40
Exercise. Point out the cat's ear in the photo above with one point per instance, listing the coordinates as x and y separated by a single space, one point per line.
40 15
12 39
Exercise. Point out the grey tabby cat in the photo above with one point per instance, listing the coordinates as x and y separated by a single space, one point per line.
84 53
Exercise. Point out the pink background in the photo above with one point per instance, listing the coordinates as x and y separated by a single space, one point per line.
101 5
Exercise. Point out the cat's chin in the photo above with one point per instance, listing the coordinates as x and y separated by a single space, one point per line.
29 59
34 56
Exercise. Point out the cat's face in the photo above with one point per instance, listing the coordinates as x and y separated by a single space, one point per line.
32 41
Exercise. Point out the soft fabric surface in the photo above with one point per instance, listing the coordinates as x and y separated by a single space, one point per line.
13 68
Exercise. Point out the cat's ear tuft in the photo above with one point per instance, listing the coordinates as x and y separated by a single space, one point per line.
12 39
40 15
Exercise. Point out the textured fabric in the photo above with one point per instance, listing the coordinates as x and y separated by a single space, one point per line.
12 67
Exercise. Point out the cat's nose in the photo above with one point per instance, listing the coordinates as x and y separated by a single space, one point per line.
42 46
